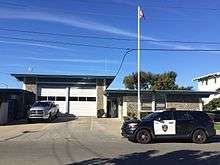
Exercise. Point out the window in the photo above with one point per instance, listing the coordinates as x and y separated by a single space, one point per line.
51 98
167 115
73 99
82 98
91 98
42 104
182 115
42 98
60 98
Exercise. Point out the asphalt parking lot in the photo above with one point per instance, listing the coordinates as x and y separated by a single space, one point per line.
89 140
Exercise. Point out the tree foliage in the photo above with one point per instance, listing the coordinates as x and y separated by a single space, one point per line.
212 105
148 80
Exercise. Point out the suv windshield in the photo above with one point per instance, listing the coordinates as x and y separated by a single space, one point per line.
41 104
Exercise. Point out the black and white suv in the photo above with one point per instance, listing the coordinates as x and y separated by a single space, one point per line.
195 125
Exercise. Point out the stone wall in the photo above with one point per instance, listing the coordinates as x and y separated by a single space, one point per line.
100 88
177 102
31 88
184 106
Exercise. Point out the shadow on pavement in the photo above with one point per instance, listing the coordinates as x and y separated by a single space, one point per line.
60 119
181 157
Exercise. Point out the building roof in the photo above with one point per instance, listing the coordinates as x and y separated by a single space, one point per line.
49 78
12 91
21 77
211 75
125 92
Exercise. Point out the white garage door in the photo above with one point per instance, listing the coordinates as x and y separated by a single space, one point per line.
57 95
82 102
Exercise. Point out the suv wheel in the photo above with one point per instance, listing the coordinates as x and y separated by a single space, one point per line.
143 136
199 136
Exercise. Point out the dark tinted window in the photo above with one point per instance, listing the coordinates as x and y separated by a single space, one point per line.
181 115
167 115
60 98
82 98
73 99
91 98
51 98
42 98
200 115
42 104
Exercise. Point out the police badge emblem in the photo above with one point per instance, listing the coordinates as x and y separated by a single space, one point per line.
164 128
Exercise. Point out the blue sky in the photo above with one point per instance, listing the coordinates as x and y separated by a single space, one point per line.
165 20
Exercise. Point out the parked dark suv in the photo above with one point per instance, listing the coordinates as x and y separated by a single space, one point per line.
195 125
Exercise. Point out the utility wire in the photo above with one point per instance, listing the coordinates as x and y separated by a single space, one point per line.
109 38
166 50
63 43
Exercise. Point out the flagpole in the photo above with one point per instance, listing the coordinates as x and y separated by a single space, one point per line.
138 58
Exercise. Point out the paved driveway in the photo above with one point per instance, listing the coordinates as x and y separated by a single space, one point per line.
93 141
66 127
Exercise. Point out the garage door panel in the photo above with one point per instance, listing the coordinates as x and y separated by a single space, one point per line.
84 108
52 91
82 92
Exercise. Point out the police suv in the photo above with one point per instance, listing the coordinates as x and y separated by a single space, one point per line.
194 125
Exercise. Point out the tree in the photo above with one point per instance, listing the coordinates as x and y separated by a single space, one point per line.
148 80
212 105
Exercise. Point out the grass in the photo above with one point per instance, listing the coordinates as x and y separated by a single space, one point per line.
217 126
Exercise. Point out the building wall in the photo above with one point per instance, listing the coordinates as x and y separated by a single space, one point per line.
183 106
210 84
179 102
101 100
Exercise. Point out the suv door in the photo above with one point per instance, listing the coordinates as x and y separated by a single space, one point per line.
184 123
164 124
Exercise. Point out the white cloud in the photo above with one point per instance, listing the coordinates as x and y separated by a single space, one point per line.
74 21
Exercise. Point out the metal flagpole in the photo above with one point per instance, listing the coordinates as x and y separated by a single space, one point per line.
138 58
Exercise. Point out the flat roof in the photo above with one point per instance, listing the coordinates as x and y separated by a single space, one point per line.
12 91
216 74
21 77
127 92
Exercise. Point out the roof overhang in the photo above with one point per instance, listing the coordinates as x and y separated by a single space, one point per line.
212 75
124 92
67 79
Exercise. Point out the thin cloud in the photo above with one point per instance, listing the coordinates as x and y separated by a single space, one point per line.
34 44
70 60
79 23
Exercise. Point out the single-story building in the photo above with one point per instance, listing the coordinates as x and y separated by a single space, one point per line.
80 95
123 102
87 95
14 104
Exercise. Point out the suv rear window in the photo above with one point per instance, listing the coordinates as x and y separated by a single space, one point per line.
182 115
200 115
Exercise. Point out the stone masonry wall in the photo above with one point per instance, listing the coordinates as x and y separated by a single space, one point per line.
183 106
100 94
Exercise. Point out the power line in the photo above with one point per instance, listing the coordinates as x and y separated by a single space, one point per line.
166 50
109 38
63 43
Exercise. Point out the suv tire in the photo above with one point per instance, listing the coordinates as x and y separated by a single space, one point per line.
199 136
143 136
